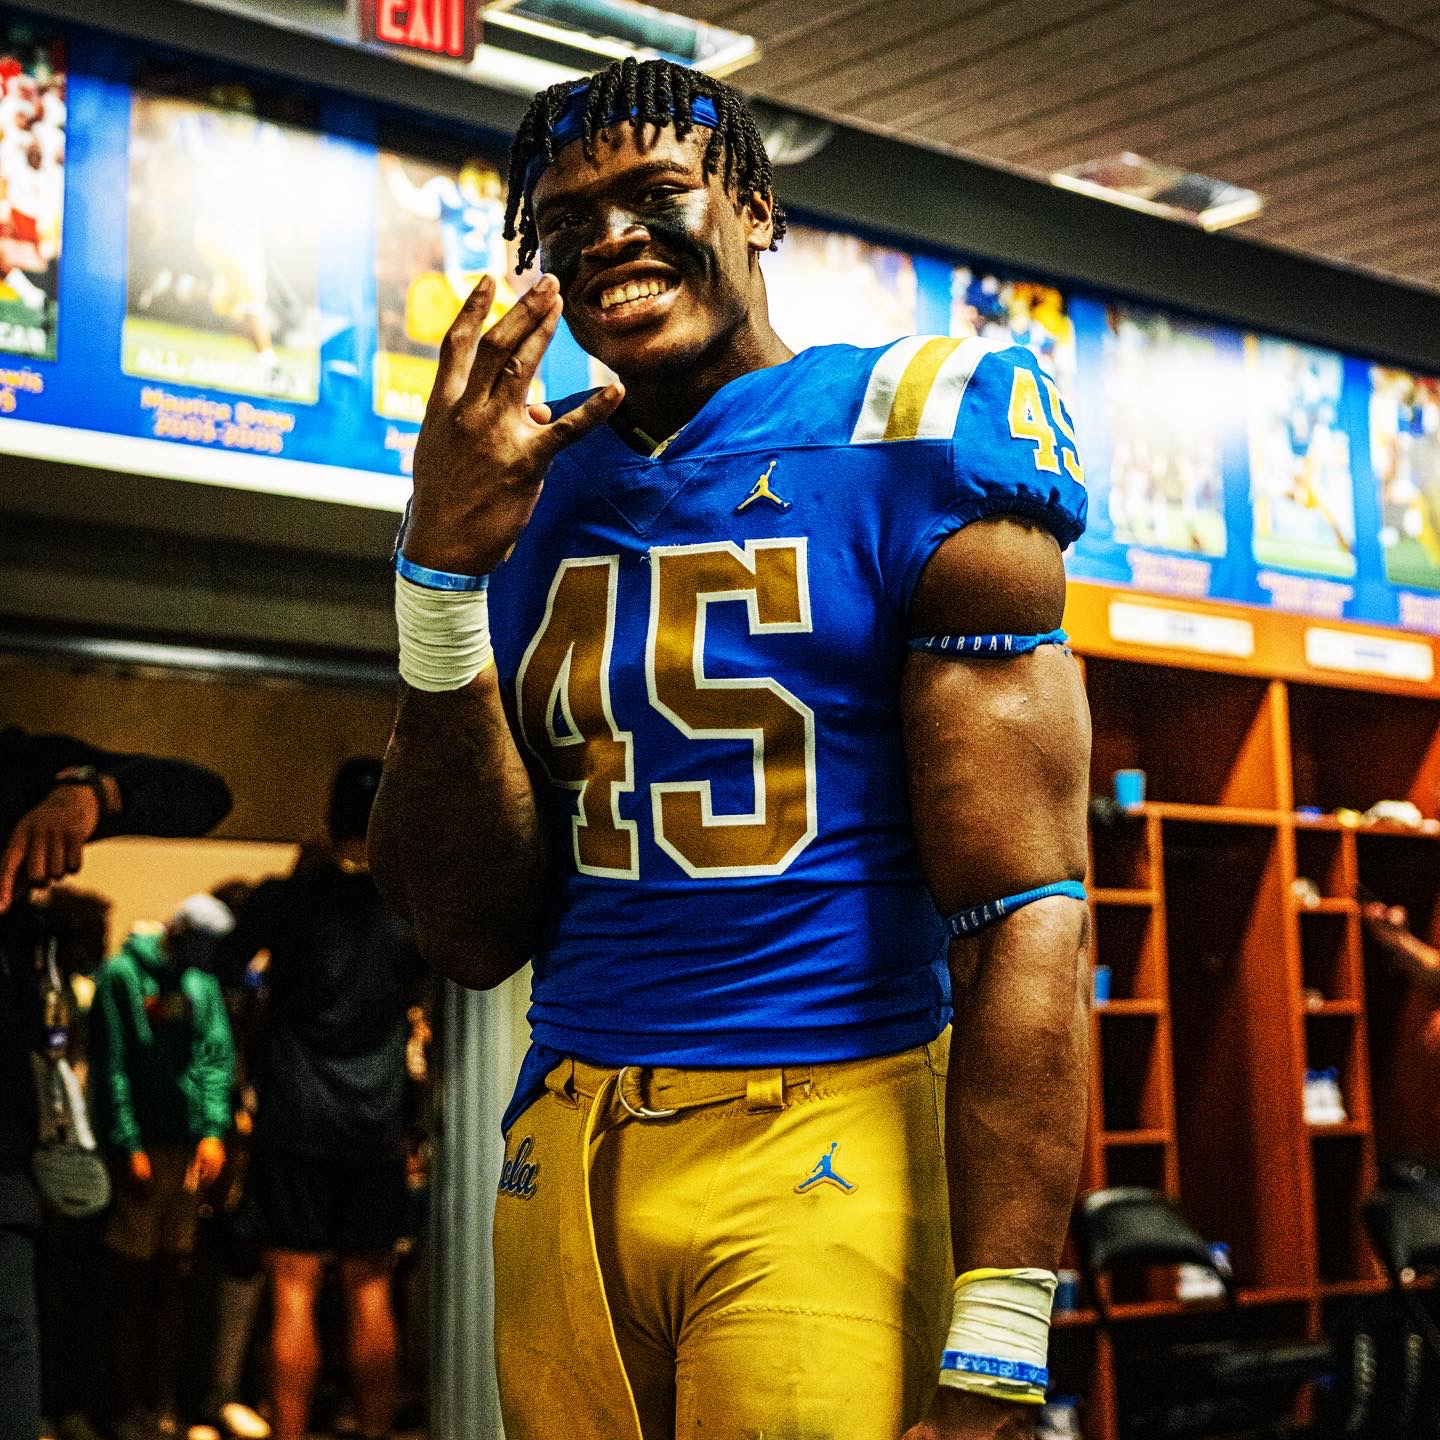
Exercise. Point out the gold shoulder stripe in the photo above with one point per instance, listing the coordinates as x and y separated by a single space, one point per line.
942 403
917 385
881 389
914 388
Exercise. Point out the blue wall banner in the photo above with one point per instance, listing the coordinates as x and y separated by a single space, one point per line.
206 278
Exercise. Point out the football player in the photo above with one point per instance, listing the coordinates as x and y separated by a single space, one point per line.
736 697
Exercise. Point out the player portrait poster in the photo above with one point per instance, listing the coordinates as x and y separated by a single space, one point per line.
828 288
1405 459
32 187
1302 494
226 198
438 229
1020 312
1164 396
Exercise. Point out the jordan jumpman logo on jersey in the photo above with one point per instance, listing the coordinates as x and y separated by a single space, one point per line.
824 1173
762 491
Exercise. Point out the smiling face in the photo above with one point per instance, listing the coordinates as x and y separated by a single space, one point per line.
657 263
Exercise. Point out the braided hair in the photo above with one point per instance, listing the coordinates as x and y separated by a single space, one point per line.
648 92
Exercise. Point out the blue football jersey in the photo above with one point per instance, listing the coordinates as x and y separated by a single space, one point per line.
701 652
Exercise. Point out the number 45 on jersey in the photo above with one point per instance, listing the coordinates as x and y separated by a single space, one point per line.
565 676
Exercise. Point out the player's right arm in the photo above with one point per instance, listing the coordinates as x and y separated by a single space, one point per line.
455 837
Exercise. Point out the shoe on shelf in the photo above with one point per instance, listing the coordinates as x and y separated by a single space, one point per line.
1324 1104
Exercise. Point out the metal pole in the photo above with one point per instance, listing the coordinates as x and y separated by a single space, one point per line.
482 1040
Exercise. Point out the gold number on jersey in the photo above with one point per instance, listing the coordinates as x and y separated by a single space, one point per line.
771 578
1028 420
562 696
1070 454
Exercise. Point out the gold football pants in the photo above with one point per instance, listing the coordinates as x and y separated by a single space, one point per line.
770 1261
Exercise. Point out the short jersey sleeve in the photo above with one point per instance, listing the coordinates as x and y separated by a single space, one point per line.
1014 446
996 436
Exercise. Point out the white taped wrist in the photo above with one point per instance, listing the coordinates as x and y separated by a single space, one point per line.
1000 1334
444 635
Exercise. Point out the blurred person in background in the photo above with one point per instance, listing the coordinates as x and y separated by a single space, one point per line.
57 794
161 1064
327 1173
69 1252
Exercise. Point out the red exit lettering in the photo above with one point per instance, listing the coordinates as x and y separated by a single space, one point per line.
437 27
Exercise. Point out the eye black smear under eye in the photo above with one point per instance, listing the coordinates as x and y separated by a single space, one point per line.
674 227
562 256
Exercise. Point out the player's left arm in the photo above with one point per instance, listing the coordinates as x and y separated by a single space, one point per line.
998 752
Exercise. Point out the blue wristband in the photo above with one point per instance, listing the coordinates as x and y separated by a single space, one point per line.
1014 1372
438 579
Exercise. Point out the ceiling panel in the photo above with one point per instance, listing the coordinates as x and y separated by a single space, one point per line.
1349 154
1364 199
1377 72
1084 67
1101 124
1399 12
986 68
1266 109
866 40
1331 108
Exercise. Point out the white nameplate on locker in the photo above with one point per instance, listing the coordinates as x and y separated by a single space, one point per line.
1180 630
1358 654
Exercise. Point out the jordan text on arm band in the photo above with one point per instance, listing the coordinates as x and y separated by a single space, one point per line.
985 647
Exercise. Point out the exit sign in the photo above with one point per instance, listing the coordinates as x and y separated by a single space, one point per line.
446 28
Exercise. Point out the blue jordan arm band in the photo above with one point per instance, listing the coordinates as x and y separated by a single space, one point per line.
996 647
978 917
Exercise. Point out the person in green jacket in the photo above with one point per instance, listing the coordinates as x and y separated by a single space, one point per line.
161 1061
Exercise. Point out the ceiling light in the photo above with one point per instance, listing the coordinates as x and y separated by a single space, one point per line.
586 33
1167 190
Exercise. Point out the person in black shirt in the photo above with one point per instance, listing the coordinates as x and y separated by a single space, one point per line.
327 1170
56 795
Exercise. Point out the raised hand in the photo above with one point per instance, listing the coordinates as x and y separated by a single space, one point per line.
483 450
48 841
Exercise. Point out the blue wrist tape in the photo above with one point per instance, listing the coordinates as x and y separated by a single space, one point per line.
994 647
438 579
1016 1372
977 917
